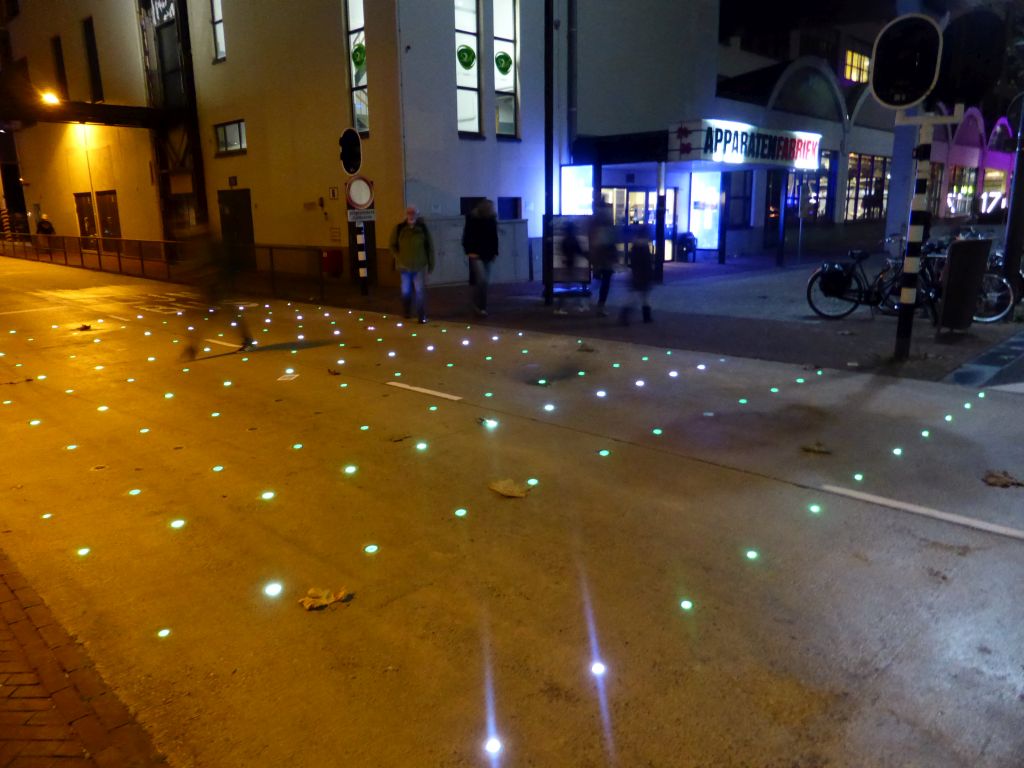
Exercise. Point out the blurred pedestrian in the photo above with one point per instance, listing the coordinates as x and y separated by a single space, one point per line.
603 254
413 249
641 267
44 226
480 242
209 268
571 250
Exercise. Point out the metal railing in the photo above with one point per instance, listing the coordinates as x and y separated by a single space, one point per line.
297 272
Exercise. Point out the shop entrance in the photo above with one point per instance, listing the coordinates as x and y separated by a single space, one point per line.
633 206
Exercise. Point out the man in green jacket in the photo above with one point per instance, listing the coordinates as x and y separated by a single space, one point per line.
413 249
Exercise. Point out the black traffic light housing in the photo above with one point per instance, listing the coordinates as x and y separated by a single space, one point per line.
351 155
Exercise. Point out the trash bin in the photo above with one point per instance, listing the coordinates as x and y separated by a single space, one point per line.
966 261
686 247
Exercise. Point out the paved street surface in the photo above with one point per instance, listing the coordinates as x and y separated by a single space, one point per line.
771 563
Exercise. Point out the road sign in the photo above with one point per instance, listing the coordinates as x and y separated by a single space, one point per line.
351 151
364 214
905 61
359 192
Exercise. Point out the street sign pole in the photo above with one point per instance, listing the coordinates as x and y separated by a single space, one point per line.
920 221
1014 242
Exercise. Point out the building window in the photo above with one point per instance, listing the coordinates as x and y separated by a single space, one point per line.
220 49
93 58
230 138
963 185
356 25
867 187
818 186
467 68
506 68
59 71
855 68
738 199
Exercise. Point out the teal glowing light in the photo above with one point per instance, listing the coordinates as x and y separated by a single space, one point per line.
774 390
421 446
645 358
859 477
686 605
267 495
581 373
604 452
177 523
488 394
218 468
925 433
488 357
351 469
616 365
525 351
449 365
752 554
134 492
163 633
461 512
742 401
532 481
897 451
432 408
814 509
370 549
364 428
656 431
800 380
297 447
491 423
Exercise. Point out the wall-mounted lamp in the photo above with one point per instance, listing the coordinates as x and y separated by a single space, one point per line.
49 97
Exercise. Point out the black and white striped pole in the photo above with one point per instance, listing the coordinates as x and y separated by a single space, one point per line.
363 269
920 221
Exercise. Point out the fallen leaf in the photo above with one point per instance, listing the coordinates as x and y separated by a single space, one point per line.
333 372
510 488
816 447
84 327
1002 479
317 599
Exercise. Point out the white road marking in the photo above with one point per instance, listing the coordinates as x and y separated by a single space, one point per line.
21 311
1016 388
222 343
435 393
914 509
118 317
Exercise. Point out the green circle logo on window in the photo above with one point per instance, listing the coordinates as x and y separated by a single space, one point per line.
466 56
359 55
503 62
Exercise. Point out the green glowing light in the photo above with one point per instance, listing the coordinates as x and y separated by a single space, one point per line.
897 451
461 512
581 373
218 468
645 358
525 351
267 495
967 406
488 357
397 374
542 382
84 551
163 633
432 408
616 365
370 549
819 373
774 390
488 394
604 452
491 423
421 446
858 477
297 447
686 605
752 554
656 431
814 509
800 381
948 417
742 401
981 395
134 492
177 523
449 365
351 469
925 433
364 428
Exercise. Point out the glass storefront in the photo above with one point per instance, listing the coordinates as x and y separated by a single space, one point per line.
867 187
963 183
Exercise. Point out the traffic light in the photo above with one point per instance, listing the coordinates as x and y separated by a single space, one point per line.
905 61
351 155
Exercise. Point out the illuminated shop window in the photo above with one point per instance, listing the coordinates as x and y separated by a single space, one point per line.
356 24
963 185
867 187
506 66
855 69
467 68
220 49
230 137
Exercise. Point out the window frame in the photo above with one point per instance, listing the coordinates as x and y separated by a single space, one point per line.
866 165
475 34
856 66
59 67
514 42
92 57
352 35
221 150
220 53
743 202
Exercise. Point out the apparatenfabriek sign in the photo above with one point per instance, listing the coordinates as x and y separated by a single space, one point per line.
723 141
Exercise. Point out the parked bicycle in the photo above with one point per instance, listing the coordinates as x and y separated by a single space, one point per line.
835 290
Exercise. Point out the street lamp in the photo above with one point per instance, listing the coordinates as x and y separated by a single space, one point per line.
49 97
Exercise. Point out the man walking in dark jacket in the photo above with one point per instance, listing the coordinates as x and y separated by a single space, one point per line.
480 242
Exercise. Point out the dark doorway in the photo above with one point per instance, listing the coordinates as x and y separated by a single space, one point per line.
109 219
86 219
236 225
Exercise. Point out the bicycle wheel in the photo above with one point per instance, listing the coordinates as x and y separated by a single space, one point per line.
995 299
886 291
834 307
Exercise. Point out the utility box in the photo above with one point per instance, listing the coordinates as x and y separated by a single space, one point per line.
966 262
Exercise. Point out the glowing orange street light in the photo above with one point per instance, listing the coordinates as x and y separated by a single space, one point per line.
49 97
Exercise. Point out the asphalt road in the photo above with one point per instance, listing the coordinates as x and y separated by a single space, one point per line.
821 629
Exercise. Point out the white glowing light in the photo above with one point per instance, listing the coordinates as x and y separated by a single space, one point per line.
702 367
897 451
490 423
430 347
267 495
639 382
351 469
134 492
177 523
168 395
103 408
493 745
47 515
289 370
371 549
421 446
72 447
461 512
686 605
598 669
549 407
163 633
84 551
601 393
273 589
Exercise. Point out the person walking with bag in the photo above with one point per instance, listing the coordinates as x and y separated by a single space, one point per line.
480 242
603 254
413 249
641 265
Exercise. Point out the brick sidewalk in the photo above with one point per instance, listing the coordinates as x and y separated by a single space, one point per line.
55 709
